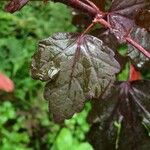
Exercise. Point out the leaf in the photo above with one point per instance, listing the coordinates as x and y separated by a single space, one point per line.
15 5
142 37
129 8
129 105
107 37
84 146
122 16
64 140
75 68
6 84
111 41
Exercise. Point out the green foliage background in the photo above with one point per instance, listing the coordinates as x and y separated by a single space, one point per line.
24 119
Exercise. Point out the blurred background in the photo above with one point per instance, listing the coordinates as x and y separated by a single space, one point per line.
24 119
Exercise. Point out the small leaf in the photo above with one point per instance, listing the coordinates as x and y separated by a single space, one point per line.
64 140
86 67
84 146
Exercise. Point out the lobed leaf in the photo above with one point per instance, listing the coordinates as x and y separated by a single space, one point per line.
128 106
75 68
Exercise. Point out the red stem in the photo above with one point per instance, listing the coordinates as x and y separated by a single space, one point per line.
93 5
139 47
103 22
77 4
15 5
88 28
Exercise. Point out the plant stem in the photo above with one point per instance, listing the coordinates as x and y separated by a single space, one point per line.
103 22
139 47
15 5
92 5
88 28
77 4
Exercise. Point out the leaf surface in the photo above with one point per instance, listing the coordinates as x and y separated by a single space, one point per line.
128 108
142 37
122 16
111 41
75 70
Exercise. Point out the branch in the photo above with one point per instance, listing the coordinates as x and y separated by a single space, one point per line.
90 9
15 5
92 5
139 47
77 4
102 21
128 39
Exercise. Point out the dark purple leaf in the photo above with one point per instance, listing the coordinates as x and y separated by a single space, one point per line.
107 37
141 36
74 70
111 41
122 16
129 8
129 105
15 5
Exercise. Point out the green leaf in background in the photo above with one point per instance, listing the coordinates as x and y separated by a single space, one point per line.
65 141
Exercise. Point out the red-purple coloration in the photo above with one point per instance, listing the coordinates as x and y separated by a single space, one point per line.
15 5
77 66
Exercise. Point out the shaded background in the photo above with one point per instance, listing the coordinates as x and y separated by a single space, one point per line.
25 123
